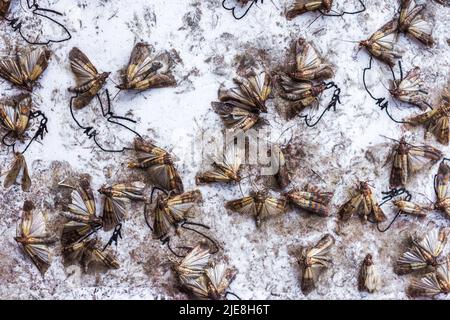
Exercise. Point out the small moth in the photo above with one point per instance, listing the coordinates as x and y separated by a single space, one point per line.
26 67
433 283
363 203
369 278
33 238
278 160
15 115
311 200
193 265
87 252
301 6
409 159
159 165
314 259
411 208
4 7
89 80
381 44
441 186
117 197
144 72
410 89
259 205
412 22
18 170
424 252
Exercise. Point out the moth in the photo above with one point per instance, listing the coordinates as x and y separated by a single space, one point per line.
278 160
312 200
440 187
87 252
424 252
88 80
171 210
81 213
18 170
225 169
302 6
15 115
116 199
193 265
213 284
33 237
159 165
236 115
259 205
436 122
309 65
381 44
369 278
363 203
312 260
144 72
412 22
410 89
4 7
433 283
26 67
409 159
412 208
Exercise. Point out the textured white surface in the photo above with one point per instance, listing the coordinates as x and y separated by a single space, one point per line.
211 45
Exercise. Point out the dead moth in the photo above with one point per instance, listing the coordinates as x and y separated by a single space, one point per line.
408 159
15 115
4 7
410 89
282 176
424 252
171 210
26 67
81 213
412 22
88 80
312 260
412 208
226 168
18 170
117 197
144 72
440 187
33 238
193 265
381 44
309 65
369 278
301 6
236 115
363 203
433 283
311 200
259 205
159 165
87 252
213 284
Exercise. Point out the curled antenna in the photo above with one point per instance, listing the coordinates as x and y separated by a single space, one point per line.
388 196
345 12
233 9
232 294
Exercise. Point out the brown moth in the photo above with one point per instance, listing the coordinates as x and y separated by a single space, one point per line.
18 170
314 259
33 238
81 213
410 89
441 186
236 115
213 284
259 205
363 203
424 252
381 44
87 252
117 197
412 22
433 283
4 7
89 80
278 160
311 200
144 72
171 210
369 278
301 6
15 115
309 64
159 165
193 265
412 208
26 67
409 159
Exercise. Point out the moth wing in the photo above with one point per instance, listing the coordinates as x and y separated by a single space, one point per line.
83 202
4 7
197 286
14 171
427 286
421 30
34 62
166 177
180 206
410 261
442 180
73 231
10 70
351 207
39 254
232 158
162 221
140 61
308 281
399 171
419 157
235 115
35 227
81 66
376 210
105 258
433 242
319 254
114 211
195 262
272 207
440 129
220 277
244 205
9 116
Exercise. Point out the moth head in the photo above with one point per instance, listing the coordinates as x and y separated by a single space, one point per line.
105 190
368 261
28 205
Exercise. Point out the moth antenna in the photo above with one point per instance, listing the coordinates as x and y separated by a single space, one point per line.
112 80
273 4
167 243
63 184
318 175
284 131
115 96
381 135
309 25
232 294
146 217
